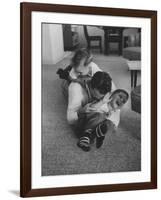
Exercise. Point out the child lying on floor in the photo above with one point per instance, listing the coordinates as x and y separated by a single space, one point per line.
98 117
81 66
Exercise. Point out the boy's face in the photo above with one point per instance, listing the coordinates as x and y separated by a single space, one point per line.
82 69
118 100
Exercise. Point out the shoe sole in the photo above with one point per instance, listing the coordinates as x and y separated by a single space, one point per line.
84 148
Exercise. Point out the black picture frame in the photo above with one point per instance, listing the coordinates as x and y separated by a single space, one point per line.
26 110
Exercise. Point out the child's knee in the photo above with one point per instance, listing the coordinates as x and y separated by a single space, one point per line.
109 125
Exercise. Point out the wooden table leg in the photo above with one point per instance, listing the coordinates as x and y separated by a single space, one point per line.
132 78
135 78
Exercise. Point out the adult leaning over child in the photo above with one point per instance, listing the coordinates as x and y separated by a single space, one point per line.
79 99
81 67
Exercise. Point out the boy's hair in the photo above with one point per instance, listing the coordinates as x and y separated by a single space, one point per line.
80 54
122 91
102 82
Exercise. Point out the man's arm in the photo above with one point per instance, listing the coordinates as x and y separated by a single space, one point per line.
94 68
113 87
75 99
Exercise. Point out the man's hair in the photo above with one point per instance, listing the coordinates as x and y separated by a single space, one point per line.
80 54
102 82
121 91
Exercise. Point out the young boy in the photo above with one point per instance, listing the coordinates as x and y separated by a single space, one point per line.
81 66
99 116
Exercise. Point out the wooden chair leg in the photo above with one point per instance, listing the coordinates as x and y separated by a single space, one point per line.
135 78
132 80
88 45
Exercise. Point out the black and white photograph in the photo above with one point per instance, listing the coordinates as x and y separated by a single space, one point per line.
91 99
88 99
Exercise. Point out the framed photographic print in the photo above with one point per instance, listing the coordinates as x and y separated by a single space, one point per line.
88 99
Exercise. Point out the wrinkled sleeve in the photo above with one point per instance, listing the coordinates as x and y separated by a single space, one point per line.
94 68
113 87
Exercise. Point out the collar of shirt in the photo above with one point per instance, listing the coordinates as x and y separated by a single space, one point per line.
75 75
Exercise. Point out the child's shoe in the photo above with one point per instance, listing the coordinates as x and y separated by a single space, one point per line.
99 141
84 143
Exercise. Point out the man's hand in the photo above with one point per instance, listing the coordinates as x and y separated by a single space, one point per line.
86 109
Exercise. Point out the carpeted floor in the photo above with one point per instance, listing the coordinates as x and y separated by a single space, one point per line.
121 151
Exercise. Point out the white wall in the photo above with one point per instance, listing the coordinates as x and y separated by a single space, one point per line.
9 101
52 40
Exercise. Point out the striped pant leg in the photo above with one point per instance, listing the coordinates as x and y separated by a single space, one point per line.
101 130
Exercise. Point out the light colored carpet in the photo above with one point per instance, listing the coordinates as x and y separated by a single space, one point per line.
121 151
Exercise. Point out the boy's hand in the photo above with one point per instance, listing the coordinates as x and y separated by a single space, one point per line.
63 74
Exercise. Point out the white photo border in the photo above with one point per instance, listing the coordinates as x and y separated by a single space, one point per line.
144 175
